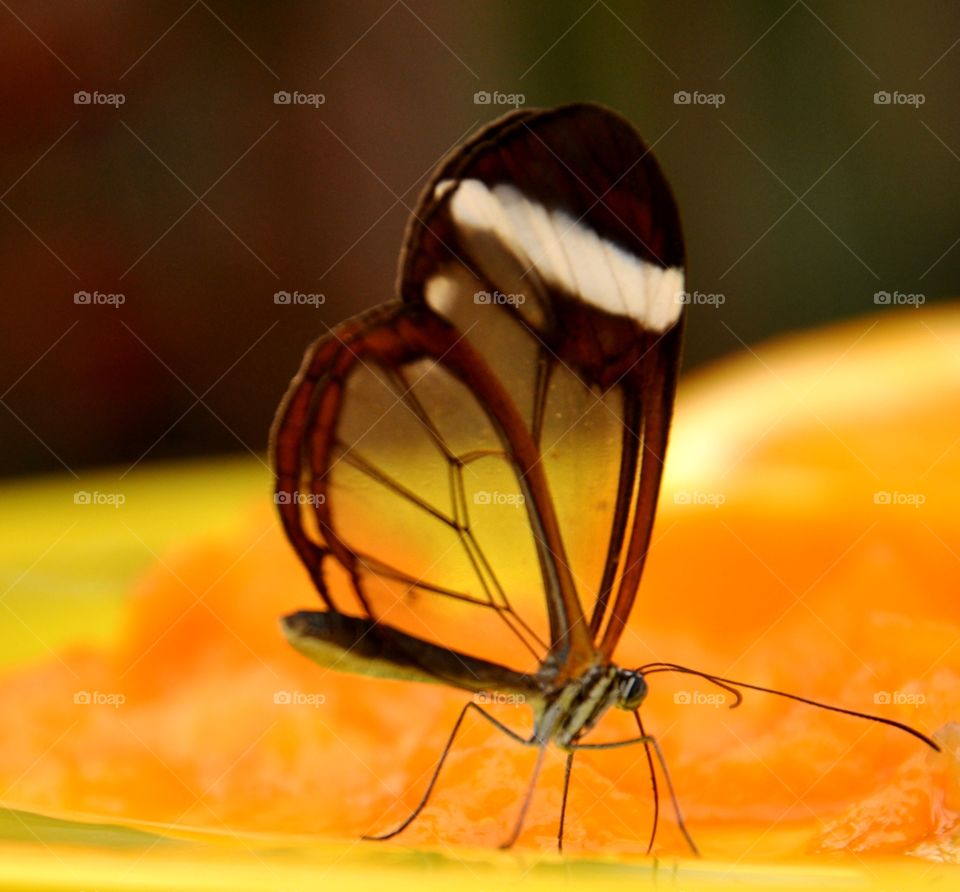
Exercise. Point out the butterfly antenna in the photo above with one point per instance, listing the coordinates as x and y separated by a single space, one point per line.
653 783
651 668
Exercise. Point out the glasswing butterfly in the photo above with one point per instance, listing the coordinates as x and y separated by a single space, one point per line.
474 468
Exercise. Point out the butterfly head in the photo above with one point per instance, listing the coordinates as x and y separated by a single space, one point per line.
632 688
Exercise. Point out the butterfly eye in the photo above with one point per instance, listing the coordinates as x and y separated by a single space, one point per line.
633 690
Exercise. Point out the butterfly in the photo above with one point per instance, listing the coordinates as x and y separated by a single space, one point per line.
478 463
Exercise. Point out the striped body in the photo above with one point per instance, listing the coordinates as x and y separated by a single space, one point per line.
578 706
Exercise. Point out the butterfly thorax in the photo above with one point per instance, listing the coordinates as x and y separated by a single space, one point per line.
573 709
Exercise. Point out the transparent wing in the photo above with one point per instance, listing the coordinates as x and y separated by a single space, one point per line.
406 476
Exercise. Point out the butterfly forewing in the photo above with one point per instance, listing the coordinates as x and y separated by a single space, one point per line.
559 226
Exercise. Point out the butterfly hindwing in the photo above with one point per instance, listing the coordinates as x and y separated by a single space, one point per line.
406 472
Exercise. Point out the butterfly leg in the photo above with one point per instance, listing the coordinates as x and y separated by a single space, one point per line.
568 768
653 783
650 740
518 826
443 758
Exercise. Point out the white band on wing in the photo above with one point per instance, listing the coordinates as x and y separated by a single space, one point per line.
568 254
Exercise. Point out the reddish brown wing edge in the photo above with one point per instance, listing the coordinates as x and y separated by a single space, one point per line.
655 380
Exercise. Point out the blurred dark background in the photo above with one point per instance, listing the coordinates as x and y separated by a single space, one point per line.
198 197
